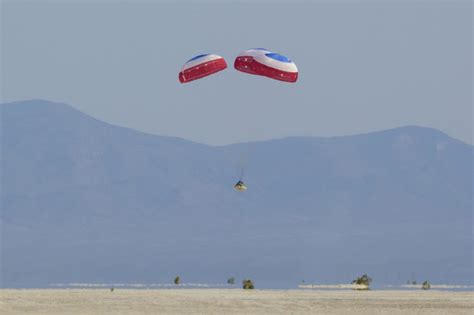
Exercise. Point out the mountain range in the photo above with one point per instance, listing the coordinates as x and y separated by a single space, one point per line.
82 200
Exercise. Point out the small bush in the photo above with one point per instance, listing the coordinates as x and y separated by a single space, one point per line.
247 284
176 280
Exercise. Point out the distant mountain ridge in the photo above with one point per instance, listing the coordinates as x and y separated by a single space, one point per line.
85 201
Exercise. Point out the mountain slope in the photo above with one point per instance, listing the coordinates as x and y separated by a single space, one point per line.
89 202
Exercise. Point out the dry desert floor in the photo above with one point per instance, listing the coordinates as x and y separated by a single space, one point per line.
232 301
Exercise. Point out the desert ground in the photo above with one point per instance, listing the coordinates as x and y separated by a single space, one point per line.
232 301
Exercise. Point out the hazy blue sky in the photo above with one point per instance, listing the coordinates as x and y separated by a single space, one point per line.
364 65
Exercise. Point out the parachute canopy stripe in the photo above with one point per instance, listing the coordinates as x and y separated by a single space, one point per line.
274 73
197 57
201 66
254 52
271 61
278 57
245 59
201 59
244 64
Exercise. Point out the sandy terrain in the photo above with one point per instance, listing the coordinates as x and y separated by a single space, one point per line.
233 301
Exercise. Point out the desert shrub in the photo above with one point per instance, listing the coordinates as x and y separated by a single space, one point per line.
426 285
247 284
176 280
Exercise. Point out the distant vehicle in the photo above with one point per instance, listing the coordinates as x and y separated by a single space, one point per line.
362 283
240 186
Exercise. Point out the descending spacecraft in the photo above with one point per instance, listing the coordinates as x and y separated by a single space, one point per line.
240 186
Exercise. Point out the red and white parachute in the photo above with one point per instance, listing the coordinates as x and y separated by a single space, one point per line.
201 66
260 61
257 61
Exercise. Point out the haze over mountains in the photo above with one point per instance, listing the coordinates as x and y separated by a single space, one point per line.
86 201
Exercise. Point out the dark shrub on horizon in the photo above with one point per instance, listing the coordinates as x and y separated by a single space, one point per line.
248 284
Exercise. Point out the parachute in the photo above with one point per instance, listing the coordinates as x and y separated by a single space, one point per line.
201 66
260 61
